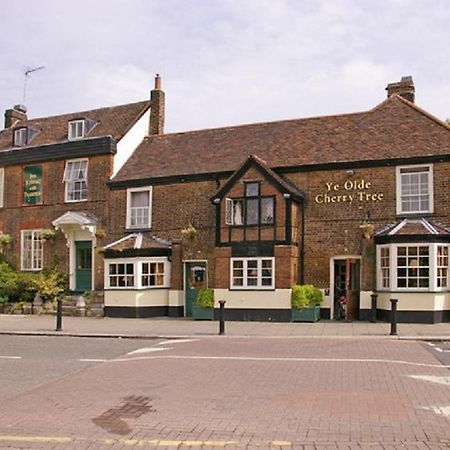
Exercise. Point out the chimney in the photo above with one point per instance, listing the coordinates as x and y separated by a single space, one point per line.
157 101
12 116
404 88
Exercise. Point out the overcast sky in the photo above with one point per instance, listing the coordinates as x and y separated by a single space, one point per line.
223 62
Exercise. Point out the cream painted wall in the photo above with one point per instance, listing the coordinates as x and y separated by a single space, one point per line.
176 298
426 301
136 299
278 299
130 141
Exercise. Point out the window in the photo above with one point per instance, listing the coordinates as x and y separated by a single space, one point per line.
2 182
138 273
139 208
253 209
419 267
442 266
31 250
413 266
20 137
76 129
152 274
385 267
252 273
414 189
75 179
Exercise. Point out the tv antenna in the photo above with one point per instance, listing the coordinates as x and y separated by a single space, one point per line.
27 74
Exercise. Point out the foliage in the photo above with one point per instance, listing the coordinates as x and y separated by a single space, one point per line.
305 296
48 234
50 284
5 238
189 233
8 281
205 298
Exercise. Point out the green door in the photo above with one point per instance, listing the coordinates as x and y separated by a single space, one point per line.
194 280
83 266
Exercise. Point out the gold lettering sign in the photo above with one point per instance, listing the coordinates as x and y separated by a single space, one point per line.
348 192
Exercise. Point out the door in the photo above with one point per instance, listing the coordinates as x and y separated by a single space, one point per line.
194 280
346 288
83 266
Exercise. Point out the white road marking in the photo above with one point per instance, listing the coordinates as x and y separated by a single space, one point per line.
441 410
92 360
433 379
263 359
10 357
177 341
148 350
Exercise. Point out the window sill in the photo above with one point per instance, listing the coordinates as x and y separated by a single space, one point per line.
253 288
76 201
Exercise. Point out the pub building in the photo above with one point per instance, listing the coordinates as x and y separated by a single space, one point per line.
356 204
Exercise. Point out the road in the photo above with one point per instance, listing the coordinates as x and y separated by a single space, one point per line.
221 392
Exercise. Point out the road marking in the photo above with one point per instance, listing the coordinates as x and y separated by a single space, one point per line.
440 380
92 360
275 359
177 341
441 410
48 439
148 350
10 357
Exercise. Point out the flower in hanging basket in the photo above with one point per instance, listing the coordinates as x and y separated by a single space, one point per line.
48 234
5 239
367 230
189 233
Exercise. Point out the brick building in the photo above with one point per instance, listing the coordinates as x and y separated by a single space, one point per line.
53 194
355 204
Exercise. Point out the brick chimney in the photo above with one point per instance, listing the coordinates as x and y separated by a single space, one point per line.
157 102
17 114
404 88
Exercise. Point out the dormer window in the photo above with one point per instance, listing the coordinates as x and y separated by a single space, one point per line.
20 137
76 129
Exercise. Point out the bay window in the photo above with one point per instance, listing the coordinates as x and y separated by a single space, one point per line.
137 273
413 267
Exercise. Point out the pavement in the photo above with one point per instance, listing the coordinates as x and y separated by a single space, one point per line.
166 328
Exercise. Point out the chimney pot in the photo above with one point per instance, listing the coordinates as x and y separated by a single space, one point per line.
21 108
405 88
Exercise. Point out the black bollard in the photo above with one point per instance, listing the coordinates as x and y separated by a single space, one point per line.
394 316
373 310
58 315
222 317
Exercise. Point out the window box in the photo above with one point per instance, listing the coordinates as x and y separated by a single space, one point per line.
203 309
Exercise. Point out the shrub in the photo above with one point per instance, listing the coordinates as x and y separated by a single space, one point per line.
50 284
304 296
205 298
8 281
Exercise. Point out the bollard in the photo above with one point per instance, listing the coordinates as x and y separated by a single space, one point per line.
58 315
394 316
373 311
222 317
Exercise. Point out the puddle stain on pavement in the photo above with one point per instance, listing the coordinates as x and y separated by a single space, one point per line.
131 407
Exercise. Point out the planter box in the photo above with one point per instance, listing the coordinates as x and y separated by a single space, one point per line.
200 313
311 314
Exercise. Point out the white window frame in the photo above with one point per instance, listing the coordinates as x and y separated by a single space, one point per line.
432 267
68 182
399 169
37 261
2 185
20 137
76 129
138 272
130 191
259 286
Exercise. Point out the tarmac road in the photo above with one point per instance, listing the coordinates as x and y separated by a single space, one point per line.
219 392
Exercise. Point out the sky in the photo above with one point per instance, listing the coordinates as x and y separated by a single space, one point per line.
223 62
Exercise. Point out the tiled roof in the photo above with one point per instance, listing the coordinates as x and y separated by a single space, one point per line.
414 227
112 121
394 129
138 241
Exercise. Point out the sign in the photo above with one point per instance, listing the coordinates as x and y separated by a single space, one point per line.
348 192
32 185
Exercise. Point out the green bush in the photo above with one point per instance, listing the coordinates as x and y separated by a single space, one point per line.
8 281
304 296
50 284
205 298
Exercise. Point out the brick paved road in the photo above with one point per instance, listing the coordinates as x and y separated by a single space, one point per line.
242 393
